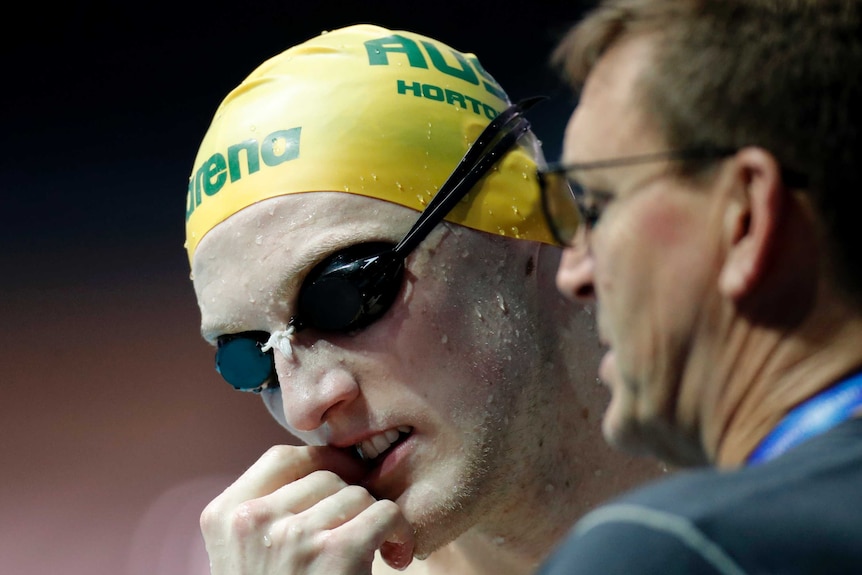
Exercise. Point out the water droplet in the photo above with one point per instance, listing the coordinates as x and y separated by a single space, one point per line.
399 186
421 200
251 300
192 276
516 211
516 232
278 146
267 542
444 339
346 188
374 176
258 240
502 303
479 313
253 128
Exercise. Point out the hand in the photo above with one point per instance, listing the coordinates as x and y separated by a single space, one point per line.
295 512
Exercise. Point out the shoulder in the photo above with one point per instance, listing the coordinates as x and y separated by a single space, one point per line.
790 515
647 531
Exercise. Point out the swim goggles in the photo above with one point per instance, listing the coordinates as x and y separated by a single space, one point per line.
355 286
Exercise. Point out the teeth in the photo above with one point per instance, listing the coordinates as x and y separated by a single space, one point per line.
391 435
380 443
374 446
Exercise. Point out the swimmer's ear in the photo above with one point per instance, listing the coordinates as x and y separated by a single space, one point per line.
751 221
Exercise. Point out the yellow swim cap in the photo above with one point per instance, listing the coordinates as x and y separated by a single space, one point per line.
365 110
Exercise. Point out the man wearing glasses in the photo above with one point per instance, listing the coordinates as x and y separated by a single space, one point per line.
369 255
714 162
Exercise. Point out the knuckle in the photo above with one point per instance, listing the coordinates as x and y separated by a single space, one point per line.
295 534
357 493
387 509
326 478
280 453
340 542
248 517
211 518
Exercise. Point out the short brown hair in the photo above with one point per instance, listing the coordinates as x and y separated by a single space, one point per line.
784 75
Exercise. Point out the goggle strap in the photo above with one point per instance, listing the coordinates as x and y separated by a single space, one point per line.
480 157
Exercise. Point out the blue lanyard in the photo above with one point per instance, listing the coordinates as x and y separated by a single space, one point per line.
819 413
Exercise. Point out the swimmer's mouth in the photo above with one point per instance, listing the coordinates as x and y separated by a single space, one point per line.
370 449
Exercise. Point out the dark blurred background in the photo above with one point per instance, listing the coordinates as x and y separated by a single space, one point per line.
115 428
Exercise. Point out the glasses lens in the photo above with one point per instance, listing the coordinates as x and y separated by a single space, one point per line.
560 207
241 362
350 289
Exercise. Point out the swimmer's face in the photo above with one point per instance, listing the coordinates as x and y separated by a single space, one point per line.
445 372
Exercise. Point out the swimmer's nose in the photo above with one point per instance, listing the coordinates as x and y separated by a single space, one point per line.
310 395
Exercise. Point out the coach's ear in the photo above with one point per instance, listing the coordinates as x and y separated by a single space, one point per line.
752 221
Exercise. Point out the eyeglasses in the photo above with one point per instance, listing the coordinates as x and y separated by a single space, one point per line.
567 203
355 286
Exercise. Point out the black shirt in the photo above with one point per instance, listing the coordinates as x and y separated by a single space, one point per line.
800 513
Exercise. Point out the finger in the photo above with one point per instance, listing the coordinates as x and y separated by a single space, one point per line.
309 541
305 492
337 509
289 519
284 464
384 527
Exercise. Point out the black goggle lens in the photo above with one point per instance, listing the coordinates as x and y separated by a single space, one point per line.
350 289
242 363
